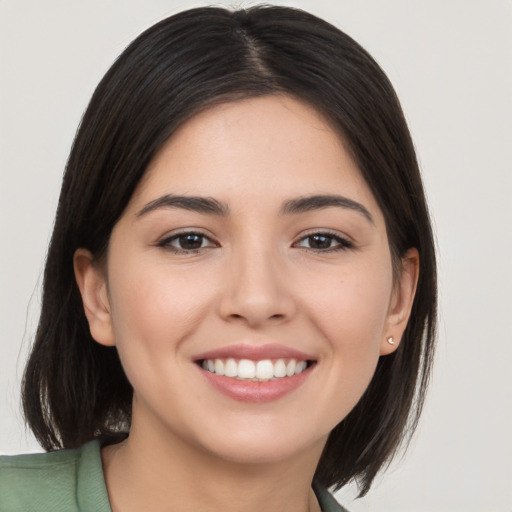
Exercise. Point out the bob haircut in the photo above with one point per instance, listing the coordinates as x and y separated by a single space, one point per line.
75 389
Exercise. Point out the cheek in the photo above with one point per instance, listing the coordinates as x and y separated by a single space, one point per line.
351 313
154 309
352 307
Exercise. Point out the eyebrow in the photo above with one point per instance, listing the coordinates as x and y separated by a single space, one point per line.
319 202
206 205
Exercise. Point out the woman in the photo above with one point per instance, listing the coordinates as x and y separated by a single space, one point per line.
239 296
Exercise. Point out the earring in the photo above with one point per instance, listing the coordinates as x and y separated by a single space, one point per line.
391 341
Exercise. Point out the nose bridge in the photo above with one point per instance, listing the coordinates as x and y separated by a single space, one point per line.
256 288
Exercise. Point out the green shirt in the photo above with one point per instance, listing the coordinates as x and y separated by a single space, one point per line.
69 481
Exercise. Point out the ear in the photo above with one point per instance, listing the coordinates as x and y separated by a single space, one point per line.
401 302
93 288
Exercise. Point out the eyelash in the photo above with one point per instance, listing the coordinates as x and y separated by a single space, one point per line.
342 243
166 242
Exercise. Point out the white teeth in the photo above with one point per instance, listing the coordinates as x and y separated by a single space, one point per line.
265 369
246 369
301 366
280 368
231 368
219 367
290 367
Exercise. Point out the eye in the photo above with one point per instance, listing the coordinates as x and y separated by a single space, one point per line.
186 242
324 242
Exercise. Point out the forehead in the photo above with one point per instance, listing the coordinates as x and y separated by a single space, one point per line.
271 146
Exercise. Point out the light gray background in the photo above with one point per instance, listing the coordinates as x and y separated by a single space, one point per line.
451 63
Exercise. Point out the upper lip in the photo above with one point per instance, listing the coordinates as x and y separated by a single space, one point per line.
254 353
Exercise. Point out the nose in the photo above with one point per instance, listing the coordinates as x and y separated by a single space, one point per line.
257 289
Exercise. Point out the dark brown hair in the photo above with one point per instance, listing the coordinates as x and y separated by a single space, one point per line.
75 389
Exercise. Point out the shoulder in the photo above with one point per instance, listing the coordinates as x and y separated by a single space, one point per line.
70 480
327 502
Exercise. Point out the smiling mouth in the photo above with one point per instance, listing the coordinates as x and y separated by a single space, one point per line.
263 370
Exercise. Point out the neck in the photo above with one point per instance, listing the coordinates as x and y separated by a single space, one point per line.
151 472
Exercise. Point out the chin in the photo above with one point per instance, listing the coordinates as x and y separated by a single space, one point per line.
263 446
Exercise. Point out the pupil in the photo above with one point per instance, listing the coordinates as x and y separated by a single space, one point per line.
191 241
319 242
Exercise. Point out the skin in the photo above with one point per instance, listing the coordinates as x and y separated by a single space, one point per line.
257 279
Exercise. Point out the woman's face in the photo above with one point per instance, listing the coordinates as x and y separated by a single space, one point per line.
252 247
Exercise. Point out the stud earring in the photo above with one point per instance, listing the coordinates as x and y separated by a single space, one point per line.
391 341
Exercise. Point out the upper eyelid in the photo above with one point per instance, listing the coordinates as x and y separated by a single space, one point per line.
167 238
313 231
327 232
186 231
343 242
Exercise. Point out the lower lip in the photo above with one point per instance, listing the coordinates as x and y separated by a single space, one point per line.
249 391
